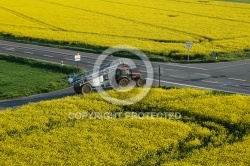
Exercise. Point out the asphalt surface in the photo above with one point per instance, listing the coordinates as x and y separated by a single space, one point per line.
232 77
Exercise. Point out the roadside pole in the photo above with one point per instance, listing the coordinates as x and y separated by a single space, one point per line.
77 58
214 54
159 70
159 76
188 46
188 54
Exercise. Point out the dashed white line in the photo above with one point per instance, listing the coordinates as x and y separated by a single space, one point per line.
194 86
48 56
236 79
10 49
176 76
29 53
69 59
190 67
203 74
229 66
48 51
143 71
213 82
168 82
170 69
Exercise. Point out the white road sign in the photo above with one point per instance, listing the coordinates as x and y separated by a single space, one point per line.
77 57
189 45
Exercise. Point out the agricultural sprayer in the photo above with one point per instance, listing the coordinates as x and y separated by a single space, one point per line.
83 83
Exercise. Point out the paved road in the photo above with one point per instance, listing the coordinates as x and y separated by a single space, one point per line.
230 77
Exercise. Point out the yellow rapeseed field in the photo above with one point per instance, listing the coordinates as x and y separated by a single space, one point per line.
160 26
213 129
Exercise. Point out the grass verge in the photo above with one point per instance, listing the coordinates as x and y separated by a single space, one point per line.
23 77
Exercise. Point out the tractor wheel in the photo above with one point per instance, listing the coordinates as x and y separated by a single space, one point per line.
86 88
140 82
123 82
77 90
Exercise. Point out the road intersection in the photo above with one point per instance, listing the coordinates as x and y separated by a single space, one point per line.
230 77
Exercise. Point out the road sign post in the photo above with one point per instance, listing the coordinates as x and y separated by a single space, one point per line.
214 54
188 46
159 70
159 76
77 58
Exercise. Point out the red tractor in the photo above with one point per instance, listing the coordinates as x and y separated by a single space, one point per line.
123 76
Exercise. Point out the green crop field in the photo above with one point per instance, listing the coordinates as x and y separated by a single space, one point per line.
213 129
22 77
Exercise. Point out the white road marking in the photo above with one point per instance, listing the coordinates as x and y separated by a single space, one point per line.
48 51
190 67
48 56
143 71
29 53
170 69
213 82
69 59
245 85
203 74
10 49
168 82
194 86
142 65
176 76
236 79
229 66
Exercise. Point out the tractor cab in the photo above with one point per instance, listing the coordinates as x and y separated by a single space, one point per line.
124 75
123 72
